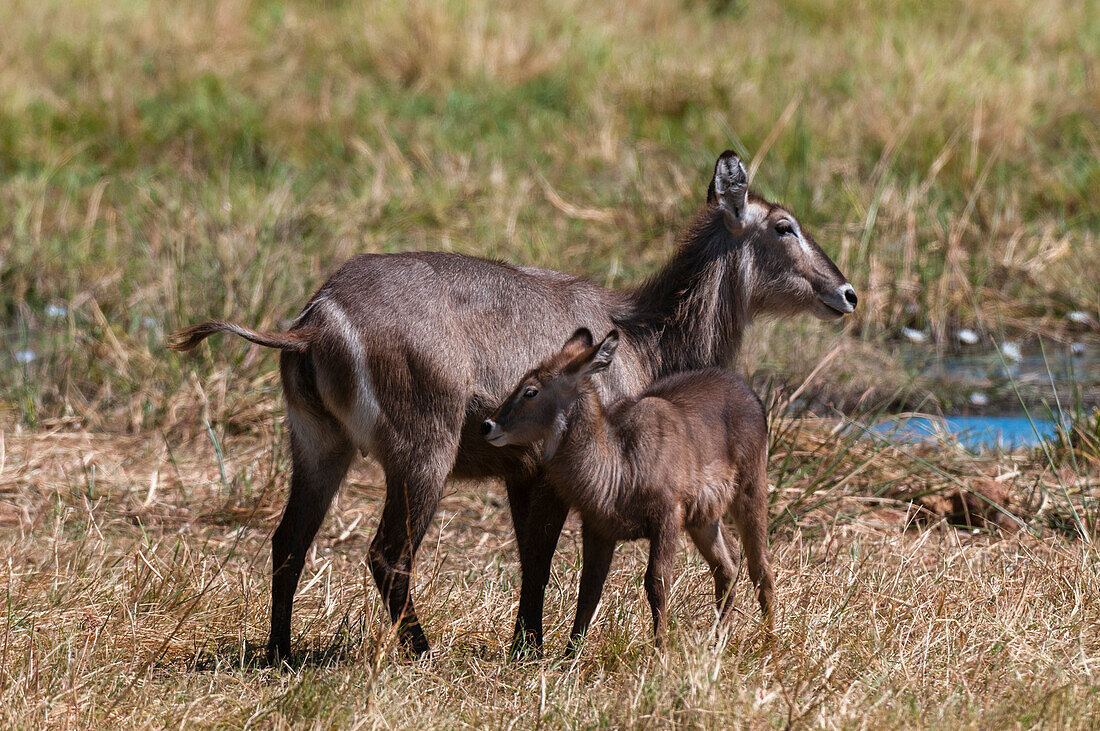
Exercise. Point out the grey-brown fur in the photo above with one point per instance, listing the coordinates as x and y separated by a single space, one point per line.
689 449
408 353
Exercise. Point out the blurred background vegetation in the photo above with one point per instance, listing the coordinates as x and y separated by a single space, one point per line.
166 162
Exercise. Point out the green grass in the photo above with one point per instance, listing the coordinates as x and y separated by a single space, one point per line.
178 162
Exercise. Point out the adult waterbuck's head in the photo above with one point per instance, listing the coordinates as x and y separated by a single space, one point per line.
740 258
785 271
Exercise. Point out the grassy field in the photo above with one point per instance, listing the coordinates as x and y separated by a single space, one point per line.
135 587
166 162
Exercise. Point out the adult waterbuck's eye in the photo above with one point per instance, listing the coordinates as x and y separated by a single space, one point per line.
784 228
530 392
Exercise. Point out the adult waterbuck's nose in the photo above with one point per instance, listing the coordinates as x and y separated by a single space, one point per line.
842 299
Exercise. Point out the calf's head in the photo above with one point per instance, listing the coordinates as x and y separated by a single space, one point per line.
781 263
537 409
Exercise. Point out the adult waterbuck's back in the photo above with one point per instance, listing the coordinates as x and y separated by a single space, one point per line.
402 357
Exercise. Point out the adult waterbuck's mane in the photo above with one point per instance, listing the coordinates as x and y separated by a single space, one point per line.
694 310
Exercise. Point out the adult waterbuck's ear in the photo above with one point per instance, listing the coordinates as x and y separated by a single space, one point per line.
730 187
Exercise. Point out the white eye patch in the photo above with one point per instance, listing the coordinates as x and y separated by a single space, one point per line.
802 240
797 231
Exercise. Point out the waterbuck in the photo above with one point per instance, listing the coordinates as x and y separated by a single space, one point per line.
403 356
688 449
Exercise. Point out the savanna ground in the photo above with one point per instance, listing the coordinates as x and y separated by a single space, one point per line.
162 162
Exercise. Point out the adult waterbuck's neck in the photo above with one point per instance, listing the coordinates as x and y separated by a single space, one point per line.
740 258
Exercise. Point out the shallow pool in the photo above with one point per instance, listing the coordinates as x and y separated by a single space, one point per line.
973 432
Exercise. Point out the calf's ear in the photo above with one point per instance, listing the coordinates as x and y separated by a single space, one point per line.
598 358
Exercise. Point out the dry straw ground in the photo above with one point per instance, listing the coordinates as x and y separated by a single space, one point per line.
163 161
135 573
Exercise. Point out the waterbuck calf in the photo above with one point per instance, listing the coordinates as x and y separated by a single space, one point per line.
687 450
403 356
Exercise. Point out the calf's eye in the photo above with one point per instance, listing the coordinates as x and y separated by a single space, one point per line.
784 228
530 392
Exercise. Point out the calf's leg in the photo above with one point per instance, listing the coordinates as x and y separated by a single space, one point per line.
751 516
596 558
658 577
714 542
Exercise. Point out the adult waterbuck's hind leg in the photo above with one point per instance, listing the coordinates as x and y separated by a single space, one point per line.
417 461
320 454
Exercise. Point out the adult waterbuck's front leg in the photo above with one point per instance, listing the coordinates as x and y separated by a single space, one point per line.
537 516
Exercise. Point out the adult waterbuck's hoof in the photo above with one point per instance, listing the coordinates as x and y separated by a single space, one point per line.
278 654
417 649
526 647
413 640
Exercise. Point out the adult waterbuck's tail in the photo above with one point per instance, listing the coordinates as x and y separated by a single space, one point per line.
186 339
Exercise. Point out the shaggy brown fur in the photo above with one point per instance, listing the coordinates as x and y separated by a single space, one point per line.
689 449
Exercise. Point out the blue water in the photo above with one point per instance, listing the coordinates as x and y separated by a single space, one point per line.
973 432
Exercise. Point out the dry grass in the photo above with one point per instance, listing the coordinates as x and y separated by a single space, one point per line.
136 594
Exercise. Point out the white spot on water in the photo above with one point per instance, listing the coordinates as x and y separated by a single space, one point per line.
968 337
1077 349
979 399
1011 351
1078 318
913 335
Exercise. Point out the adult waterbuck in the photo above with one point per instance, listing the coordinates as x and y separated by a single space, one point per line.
691 447
403 356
